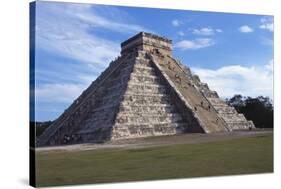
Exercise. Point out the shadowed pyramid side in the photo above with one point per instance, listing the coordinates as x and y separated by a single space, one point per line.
85 117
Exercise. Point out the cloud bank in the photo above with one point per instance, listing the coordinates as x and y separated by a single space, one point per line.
71 31
207 31
246 29
236 79
176 23
194 44
267 23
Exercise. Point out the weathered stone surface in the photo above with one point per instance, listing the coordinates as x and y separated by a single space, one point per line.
233 120
145 92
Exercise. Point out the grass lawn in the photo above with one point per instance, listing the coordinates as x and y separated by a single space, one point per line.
229 157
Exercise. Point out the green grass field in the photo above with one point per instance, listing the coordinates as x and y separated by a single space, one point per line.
229 157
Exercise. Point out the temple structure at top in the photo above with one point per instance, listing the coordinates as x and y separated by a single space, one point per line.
147 42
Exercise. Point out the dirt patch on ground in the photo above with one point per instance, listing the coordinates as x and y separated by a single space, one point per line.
158 141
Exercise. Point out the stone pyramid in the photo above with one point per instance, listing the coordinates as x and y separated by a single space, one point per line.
144 92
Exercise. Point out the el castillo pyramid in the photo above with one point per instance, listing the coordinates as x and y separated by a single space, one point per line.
144 92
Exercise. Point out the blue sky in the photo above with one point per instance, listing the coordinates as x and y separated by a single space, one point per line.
233 53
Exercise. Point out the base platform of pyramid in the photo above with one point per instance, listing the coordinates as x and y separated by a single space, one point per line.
145 92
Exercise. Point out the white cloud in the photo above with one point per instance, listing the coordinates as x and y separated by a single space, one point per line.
69 31
248 81
266 40
194 44
267 23
246 29
68 36
207 31
181 33
270 65
95 20
72 34
219 30
176 23
58 93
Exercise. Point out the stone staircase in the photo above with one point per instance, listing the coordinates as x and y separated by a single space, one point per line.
147 109
234 120
203 110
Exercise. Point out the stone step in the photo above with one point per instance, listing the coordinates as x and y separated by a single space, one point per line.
136 101
149 105
105 107
155 99
101 115
147 118
236 115
89 130
239 125
159 93
233 118
91 125
172 116
144 78
219 106
144 130
226 110
144 89
209 94
127 69
119 80
149 125
151 109
105 102
146 67
148 114
144 70
143 74
116 87
230 114
217 101
96 124
112 95
147 95
142 61
146 84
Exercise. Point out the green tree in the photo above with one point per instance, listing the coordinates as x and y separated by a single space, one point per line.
259 110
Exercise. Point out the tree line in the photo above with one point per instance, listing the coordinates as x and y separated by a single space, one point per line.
40 126
259 109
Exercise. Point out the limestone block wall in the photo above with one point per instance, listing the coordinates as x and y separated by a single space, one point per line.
70 120
98 125
147 108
